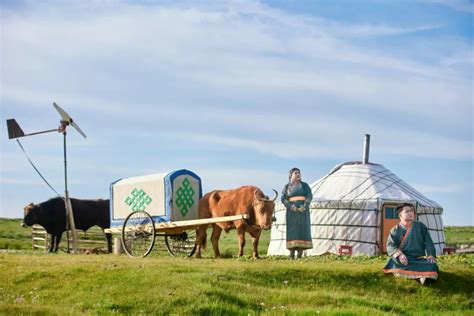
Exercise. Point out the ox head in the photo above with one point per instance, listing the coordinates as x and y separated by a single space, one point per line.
263 207
30 215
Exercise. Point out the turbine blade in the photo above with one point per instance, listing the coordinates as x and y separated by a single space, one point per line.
73 124
63 113
68 119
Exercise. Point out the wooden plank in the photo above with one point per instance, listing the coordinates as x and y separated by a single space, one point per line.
184 225
82 241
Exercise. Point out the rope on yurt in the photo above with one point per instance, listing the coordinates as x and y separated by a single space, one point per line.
403 185
337 239
436 223
365 201
362 183
380 176
348 225
346 231
332 238
417 194
353 240
320 183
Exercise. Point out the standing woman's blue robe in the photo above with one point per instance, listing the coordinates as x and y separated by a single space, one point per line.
298 224
416 243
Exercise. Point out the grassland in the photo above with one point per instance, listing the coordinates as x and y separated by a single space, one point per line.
13 236
106 284
460 235
53 284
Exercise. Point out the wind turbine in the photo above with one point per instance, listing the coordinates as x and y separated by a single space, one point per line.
15 131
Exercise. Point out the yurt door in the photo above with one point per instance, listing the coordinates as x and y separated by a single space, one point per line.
390 219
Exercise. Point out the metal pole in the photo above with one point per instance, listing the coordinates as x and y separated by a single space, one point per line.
67 202
365 157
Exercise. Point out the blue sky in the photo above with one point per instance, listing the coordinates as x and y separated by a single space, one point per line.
239 92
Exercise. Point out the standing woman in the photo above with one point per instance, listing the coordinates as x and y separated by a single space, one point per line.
296 197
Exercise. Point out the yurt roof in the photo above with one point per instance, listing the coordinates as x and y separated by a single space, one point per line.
355 181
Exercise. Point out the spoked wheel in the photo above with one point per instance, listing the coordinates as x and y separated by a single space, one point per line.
183 244
138 234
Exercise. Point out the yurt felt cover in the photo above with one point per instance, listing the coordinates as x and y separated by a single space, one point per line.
169 196
346 210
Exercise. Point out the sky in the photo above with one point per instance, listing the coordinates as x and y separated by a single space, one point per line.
238 92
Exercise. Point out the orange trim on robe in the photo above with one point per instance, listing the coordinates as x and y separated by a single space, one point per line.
429 273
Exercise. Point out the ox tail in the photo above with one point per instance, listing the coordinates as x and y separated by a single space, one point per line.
204 242
201 236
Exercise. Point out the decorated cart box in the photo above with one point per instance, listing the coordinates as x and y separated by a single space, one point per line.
167 197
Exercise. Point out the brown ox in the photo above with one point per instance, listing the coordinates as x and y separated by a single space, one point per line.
244 200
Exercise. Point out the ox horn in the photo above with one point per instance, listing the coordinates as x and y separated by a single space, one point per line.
256 197
276 195
260 199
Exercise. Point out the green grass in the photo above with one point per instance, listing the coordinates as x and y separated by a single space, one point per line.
39 283
107 284
459 235
13 236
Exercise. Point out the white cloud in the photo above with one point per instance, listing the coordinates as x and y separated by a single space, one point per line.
387 143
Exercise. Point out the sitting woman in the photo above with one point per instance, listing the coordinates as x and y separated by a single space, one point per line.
411 248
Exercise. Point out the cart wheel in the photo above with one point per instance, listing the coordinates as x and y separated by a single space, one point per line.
138 234
183 244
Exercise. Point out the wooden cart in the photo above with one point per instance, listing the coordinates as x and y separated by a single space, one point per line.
139 232
164 204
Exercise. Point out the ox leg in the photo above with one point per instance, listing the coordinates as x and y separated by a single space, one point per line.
255 240
201 237
52 241
55 240
216 234
58 240
241 237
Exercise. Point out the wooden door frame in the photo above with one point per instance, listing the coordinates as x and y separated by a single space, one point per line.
382 226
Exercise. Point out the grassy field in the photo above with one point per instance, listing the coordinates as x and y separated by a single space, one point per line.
13 236
107 284
39 283
463 235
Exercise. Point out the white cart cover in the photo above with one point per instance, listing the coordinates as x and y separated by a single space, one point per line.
167 197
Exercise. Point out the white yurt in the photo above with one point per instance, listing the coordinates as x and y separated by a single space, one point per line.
354 206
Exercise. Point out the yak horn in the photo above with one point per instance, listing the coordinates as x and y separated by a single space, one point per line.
260 199
276 195
256 197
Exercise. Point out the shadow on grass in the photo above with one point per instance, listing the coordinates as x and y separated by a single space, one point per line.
450 283
369 281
